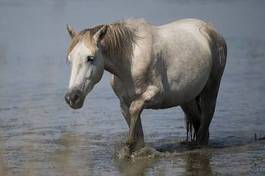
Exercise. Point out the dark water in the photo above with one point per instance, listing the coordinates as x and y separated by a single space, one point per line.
41 135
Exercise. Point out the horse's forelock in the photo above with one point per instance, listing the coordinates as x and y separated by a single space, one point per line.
73 43
83 35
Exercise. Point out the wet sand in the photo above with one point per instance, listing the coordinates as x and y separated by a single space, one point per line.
41 135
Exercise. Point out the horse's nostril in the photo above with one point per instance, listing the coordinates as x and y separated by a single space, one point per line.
75 97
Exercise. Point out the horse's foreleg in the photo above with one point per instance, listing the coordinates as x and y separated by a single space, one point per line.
136 135
137 138
125 113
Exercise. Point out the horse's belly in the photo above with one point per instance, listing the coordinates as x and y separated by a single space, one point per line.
175 97
182 84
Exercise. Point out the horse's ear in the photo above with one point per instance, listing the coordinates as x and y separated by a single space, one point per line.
71 31
100 33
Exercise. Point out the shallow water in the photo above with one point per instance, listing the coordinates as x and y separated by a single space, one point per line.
41 135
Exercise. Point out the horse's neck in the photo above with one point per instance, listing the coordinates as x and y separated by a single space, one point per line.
120 40
119 67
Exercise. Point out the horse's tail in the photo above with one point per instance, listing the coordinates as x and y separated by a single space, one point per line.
217 45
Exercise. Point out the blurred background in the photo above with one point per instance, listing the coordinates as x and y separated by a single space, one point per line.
41 135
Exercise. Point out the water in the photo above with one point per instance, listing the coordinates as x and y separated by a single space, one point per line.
41 135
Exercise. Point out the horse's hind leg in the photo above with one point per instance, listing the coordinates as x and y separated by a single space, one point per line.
207 101
192 112
208 96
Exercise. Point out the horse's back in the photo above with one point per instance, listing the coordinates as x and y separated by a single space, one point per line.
185 29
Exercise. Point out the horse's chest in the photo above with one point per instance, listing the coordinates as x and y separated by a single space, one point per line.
126 91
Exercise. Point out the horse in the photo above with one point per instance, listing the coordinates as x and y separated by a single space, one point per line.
153 67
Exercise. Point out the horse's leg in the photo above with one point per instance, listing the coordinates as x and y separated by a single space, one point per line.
192 112
136 135
119 90
207 101
125 113
125 151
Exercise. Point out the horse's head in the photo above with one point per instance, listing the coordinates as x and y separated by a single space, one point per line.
87 64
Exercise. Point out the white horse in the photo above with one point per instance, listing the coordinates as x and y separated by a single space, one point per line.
153 67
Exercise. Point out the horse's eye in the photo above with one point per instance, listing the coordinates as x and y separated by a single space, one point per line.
90 58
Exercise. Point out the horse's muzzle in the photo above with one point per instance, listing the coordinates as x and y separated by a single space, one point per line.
74 98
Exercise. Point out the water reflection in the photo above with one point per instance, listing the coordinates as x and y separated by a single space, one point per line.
197 163
71 156
134 168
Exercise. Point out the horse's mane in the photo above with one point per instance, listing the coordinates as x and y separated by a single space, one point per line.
117 42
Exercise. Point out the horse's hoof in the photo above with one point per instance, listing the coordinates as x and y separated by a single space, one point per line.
202 142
